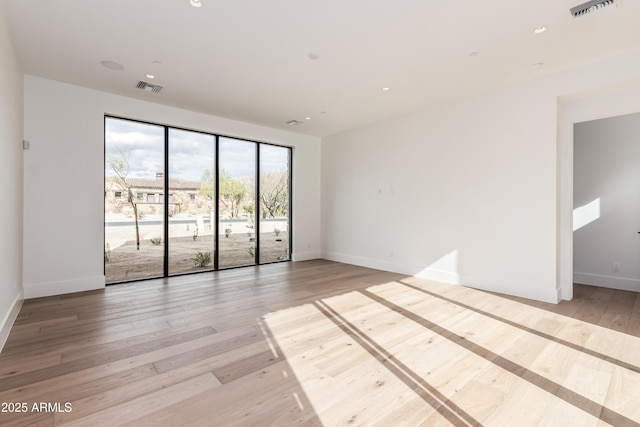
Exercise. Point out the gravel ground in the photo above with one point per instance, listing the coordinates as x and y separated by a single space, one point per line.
127 263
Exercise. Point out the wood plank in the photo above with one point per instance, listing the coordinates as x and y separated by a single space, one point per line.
120 395
106 358
20 365
148 403
322 343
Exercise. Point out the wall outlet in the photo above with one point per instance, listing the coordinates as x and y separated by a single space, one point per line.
615 266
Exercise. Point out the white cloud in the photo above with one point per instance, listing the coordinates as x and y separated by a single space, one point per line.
190 153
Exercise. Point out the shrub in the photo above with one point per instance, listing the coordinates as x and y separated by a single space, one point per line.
202 259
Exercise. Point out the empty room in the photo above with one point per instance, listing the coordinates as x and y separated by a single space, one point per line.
225 213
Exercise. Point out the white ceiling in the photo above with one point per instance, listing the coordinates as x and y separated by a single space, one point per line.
249 59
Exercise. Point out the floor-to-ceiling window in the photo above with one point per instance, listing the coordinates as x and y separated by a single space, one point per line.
274 190
134 200
191 183
180 201
237 202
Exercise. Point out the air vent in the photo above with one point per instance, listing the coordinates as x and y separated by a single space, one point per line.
591 6
148 87
294 122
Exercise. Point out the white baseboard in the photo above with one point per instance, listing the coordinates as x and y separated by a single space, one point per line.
562 293
454 278
424 273
37 290
439 276
305 256
364 262
612 282
9 319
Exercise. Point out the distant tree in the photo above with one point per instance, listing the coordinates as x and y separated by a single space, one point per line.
274 193
232 192
249 209
120 167
207 184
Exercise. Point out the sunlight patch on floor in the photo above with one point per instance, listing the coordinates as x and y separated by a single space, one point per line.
424 352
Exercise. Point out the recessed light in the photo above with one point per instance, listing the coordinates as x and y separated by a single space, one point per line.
536 65
195 3
386 88
474 54
307 118
539 30
313 56
150 76
112 65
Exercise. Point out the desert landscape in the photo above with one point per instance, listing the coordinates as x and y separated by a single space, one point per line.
191 247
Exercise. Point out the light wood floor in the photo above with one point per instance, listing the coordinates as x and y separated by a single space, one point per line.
321 343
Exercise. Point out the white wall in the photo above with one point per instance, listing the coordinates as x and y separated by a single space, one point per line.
481 187
607 201
11 115
463 193
64 180
477 192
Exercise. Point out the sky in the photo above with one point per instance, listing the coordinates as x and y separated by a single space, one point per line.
190 153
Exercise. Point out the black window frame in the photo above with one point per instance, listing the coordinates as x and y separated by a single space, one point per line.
164 198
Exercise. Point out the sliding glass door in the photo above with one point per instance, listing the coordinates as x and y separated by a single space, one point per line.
179 201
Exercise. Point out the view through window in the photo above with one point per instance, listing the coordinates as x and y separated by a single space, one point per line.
179 201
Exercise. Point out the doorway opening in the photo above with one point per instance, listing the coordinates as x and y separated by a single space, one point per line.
606 201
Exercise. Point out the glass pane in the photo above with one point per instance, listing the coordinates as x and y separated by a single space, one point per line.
191 201
134 206
274 203
237 201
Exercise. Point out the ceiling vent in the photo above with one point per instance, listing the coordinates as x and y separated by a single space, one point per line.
590 7
148 87
294 122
